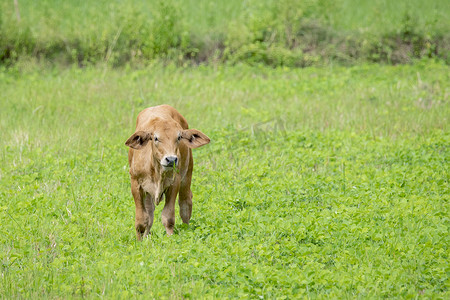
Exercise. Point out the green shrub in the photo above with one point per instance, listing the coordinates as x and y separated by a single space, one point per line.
278 33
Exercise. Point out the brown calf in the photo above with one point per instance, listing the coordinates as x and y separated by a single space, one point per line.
161 164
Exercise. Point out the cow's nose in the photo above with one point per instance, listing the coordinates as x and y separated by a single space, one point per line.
170 161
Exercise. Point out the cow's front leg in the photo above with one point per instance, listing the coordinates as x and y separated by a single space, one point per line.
144 213
149 203
168 212
185 201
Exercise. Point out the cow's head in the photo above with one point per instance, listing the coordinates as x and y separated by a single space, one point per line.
165 138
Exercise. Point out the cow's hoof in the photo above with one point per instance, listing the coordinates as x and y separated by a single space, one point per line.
142 231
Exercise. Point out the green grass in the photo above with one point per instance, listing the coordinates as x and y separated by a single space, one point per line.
287 32
318 182
205 16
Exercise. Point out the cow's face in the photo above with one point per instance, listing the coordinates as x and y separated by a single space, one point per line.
165 140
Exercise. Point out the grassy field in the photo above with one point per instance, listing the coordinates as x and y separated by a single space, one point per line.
318 182
273 32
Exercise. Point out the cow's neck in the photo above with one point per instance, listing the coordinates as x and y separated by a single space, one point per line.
163 180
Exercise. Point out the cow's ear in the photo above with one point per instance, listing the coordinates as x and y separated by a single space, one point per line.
139 139
194 138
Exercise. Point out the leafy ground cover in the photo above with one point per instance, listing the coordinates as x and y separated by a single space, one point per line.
276 33
319 182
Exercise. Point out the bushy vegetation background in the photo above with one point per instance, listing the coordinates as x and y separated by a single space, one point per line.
285 32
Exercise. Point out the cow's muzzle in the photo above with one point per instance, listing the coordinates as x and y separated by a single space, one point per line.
169 161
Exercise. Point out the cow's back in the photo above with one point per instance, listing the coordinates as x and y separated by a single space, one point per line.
164 112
